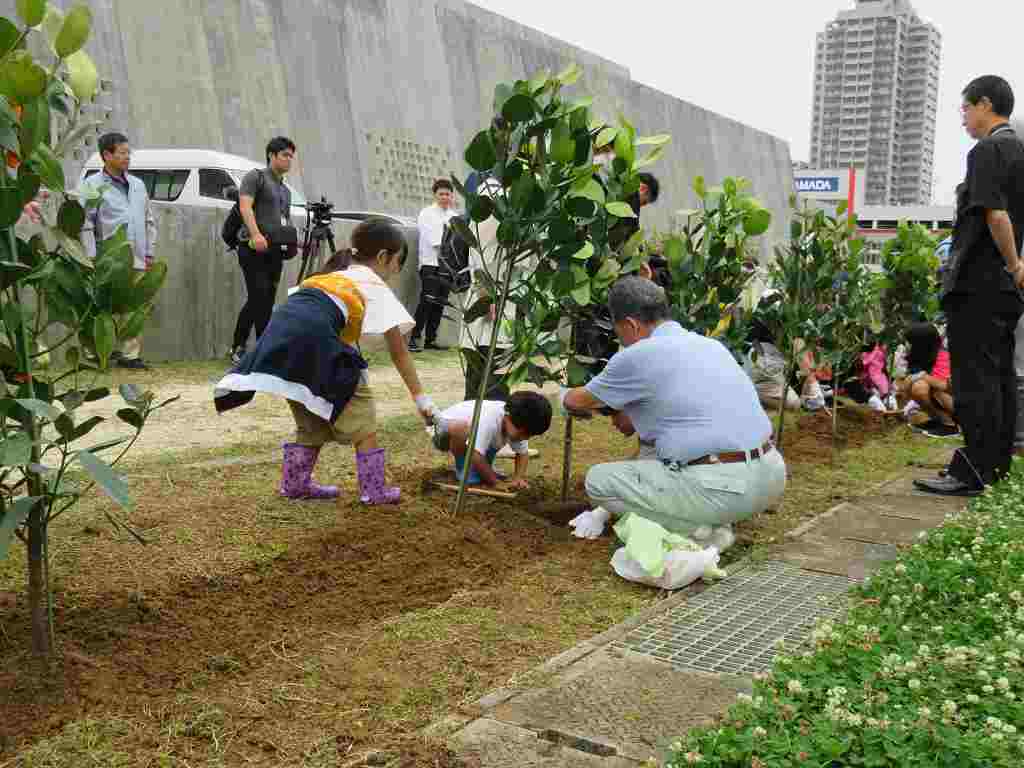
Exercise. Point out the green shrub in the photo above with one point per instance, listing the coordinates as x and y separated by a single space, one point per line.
925 670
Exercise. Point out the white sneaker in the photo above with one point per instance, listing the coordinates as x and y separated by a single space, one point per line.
891 403
813 403
875 403
506 452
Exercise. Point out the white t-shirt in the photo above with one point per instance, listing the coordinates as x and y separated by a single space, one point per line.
383 309
489 435
431 223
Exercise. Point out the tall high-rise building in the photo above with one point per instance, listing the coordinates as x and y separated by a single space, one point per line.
876 85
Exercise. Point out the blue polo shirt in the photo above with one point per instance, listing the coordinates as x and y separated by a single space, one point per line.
685 392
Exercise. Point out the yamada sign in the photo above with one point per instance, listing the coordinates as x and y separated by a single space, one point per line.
818 184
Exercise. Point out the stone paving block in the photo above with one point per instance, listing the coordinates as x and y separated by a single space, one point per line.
909 507
623 700
853 559
857 522
492 744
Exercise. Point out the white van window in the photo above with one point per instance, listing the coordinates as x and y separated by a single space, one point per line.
214 182
165 186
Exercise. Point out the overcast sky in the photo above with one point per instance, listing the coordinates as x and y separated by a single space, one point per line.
754 61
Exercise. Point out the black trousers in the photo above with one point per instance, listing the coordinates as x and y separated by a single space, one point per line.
434 291
496 388
262 273
980 337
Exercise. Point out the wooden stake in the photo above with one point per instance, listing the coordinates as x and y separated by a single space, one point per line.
475 491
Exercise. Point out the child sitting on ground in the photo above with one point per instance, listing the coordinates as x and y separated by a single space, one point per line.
512 423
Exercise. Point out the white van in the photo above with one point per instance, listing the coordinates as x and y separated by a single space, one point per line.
196 177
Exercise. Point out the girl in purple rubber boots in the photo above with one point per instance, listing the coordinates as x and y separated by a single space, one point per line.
309 355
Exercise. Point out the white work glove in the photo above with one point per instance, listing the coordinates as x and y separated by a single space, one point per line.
425 405
590 524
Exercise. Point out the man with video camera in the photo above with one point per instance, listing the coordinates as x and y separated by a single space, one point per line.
265 239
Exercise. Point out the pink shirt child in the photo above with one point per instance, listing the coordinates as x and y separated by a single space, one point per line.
873 363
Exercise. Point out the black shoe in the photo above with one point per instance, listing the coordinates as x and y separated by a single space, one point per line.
236 354
924 426
135 364
942 430
435 347
414 345
946 486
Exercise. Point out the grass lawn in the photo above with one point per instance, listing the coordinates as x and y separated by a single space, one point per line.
256 631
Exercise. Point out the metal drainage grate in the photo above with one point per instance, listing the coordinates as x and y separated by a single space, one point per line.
733 626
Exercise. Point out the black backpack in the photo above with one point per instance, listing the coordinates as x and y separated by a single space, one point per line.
454 258
233 223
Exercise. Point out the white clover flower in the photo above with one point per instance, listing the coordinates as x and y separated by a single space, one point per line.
973 698
1010 696
1003 684
987 689
693 757
744 698
924 650
984 675
997 736
760 733
1010 729
925 713
1016 596
795 687
900 568
918 588
913 684
949 707
854 719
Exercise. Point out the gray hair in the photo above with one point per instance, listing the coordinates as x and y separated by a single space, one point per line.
639 298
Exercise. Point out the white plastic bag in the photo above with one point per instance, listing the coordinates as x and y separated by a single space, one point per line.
682 567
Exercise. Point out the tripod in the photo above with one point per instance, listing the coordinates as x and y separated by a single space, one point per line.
317 239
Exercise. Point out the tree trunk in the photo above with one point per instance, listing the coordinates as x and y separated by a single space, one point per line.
567 458
37 586
782 407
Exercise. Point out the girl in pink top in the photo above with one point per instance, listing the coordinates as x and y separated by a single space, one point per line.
928 381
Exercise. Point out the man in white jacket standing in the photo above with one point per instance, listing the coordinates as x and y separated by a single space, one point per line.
124 201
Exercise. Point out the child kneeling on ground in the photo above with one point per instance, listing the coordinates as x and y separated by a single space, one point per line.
525 415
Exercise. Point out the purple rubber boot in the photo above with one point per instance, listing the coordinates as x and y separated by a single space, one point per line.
370 468
296 475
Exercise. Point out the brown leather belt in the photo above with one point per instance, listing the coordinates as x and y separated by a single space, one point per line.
732 457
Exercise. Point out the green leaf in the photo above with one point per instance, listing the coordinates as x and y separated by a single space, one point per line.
111 483
16 451
99 393
570 75
82 76
32 12
456 223
15 514
584 253
28 185
659 140
502 93
591 190
605 136
35 125
576 374
700 187
581 294
74 32
10 206
481 154
73 137
478 309
674 252
522 191
650 159
13 317
9 36
481 208
519 109
135 324
624 149
131 394
48 166
131 416
104 337
620 210
38 408
85 428
21 78
71 218
563 146
65 424
757 221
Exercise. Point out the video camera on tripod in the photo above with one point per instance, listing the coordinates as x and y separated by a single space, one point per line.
317 237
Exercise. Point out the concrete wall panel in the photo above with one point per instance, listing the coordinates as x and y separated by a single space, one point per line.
380 95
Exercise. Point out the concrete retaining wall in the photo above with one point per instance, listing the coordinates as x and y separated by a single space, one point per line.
380 96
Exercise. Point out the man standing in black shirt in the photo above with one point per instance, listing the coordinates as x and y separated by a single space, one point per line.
265 203
981 291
